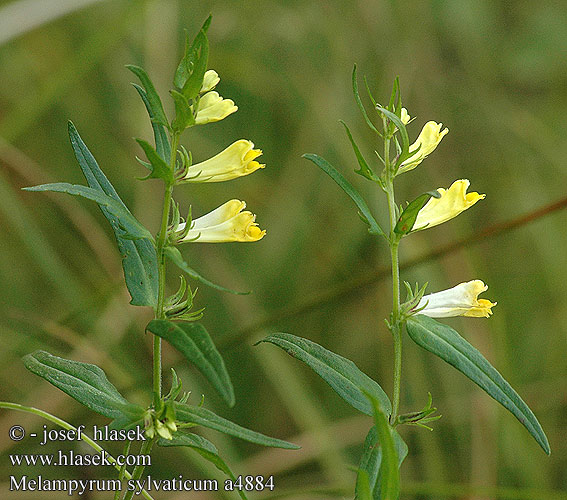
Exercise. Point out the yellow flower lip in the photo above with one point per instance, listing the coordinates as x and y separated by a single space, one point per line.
224 224
236 160
428 139
452 202
212 108
210 81
461 300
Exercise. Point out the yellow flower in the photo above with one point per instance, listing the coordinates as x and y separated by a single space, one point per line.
461 300
235 161
429 137
405 117
210 81
212 108
226 223
452 202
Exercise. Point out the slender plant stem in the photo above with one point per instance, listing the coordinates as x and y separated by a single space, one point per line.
160 245
395 323
66 425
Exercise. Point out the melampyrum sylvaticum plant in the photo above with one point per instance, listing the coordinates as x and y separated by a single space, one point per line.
384 449
144 257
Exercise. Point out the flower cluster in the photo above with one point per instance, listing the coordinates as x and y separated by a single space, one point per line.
229 222
461 300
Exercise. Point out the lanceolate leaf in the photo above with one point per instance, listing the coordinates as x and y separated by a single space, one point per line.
359 102
206 418
160 169
139 258
157 112
340 373
192 68
175 256
204 448
364 169
131 228
403 132
334 174
194 342
160 132
84 382
446 343
371 461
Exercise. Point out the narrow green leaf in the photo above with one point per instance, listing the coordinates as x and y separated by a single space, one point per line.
371 461
183 113
409 215
191 70
160 169
340 373
175 256
139 259
334 174
359 102
446 343
388 479
157 112
84 382
194 342
131 227
160 131
364 169
206 418
204 448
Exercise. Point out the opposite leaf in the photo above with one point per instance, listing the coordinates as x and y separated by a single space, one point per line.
409 215
340 373
85 383
194 342
334 174
160 169
206 418
446 343
364 169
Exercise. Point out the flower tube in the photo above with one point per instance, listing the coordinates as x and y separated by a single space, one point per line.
461 300
452 202
235 161
429 137
226 223
212 108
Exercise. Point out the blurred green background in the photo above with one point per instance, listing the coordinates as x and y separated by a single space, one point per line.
494 72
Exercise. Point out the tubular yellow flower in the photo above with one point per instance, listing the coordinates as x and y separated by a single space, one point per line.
212 108
210 81
461 300
235 161
429 137
226 223
405 117
453 201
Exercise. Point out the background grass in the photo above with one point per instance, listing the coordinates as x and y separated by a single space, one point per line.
494 72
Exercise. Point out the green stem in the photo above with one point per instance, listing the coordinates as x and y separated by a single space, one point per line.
395 323
66 425
160 246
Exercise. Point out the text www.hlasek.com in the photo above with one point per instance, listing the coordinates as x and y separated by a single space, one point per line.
69 458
